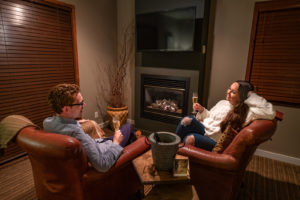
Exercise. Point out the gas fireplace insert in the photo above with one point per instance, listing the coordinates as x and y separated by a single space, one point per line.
164 98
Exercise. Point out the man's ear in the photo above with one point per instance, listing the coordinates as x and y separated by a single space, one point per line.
65 109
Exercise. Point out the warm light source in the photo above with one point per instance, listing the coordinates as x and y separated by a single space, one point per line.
18 15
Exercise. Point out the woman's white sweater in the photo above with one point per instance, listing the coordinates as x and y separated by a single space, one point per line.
259 108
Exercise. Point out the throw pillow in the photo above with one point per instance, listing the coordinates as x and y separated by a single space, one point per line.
225 139
10 127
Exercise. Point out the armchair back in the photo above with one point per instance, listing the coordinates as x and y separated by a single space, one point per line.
219 175
61 170
58 163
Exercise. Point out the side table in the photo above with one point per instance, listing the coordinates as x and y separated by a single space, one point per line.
162 184
149 175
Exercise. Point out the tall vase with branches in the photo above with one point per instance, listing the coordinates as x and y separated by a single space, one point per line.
116 75
125 51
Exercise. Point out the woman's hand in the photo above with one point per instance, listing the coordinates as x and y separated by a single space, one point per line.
118 137
197 107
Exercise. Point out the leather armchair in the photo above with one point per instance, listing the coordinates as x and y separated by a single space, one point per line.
219 176
61 170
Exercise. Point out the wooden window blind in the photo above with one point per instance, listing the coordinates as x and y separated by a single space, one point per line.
37 51
274 54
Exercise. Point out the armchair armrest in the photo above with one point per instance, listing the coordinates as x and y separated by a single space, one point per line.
129 153
203 157
279 115
122 176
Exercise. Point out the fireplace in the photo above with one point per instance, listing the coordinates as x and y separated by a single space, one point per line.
162 97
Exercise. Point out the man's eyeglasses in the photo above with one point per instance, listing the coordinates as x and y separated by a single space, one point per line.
78 104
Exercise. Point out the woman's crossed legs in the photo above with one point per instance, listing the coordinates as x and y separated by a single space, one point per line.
191 131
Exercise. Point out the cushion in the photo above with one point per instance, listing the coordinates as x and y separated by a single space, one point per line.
225 139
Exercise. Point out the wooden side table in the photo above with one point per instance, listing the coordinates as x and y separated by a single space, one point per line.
162 184
149 175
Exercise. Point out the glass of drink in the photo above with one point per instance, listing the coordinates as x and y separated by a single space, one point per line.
195 100
116 123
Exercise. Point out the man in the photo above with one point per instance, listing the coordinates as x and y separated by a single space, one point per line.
67 102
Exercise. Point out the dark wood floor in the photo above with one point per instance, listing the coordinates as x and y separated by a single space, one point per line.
265 179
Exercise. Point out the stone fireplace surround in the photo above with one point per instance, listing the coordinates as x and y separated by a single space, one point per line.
149 125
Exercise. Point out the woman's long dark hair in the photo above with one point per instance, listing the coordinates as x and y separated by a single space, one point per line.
237 116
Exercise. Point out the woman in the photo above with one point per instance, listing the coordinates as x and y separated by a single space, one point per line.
241 107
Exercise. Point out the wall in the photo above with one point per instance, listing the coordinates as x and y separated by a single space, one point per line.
99 24
125 17
230 45
96 24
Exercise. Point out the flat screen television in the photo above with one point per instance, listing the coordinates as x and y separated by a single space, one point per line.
172 30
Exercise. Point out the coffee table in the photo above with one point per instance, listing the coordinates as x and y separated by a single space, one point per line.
149 175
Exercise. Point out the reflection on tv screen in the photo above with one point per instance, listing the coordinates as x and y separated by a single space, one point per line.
166 30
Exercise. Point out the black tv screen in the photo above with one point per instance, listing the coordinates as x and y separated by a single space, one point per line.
172 30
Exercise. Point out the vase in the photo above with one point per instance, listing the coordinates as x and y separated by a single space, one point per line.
164 148
120 113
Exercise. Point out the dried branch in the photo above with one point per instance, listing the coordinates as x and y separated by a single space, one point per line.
102 97
124 56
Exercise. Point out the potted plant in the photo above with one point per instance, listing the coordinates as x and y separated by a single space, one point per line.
116 105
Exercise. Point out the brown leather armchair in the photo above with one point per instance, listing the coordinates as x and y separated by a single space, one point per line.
219 176
61 170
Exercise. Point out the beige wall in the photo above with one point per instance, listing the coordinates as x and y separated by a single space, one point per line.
96 24
126 16
231 37
98 32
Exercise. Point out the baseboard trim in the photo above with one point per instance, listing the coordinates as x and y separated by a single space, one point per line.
277 156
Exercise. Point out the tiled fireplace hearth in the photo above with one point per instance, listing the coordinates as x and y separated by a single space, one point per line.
163 97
